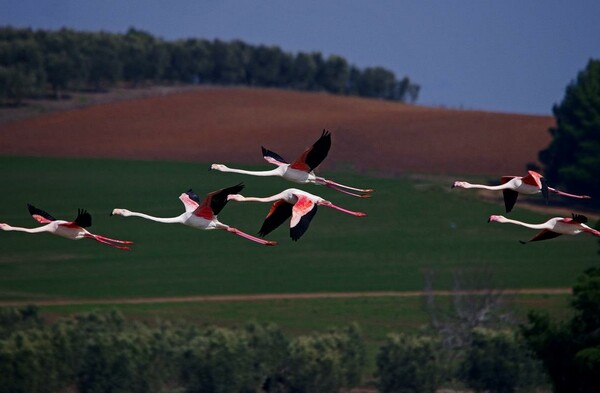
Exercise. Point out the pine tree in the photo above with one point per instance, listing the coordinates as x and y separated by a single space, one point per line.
573 157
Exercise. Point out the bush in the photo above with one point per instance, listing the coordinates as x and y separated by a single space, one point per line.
101 352
498 361
407 364
322 363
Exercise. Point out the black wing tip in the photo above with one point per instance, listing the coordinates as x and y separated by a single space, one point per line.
522 242
264 232
580 218
84 218
295 235
236 189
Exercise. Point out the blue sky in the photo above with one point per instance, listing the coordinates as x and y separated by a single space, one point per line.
508 56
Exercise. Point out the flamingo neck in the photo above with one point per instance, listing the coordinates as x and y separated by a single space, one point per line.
486 187
45 228
272 172
165 220
258 199
545 225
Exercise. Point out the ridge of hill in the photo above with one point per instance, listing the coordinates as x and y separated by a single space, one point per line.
229 125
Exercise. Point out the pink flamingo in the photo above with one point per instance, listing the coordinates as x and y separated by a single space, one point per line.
73 230
200 215
554 227
511 186
301 170
299 205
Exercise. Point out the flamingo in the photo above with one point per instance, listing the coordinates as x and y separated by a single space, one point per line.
552 228
299 205
301 170
200 215
511 186
74 230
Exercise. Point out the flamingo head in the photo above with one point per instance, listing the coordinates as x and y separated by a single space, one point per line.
120 212
494 218
460 184
235 197
218 167
4 226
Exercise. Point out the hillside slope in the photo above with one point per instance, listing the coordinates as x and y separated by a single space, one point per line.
228 125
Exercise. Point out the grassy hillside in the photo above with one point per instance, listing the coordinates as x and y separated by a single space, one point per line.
411 226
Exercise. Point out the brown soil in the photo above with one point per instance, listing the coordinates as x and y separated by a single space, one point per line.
228 125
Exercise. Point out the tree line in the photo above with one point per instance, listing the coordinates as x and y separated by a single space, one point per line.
104 352
33 61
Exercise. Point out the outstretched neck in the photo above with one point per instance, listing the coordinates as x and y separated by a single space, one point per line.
524 224
273 172
241 198
45 228
165 220
464 184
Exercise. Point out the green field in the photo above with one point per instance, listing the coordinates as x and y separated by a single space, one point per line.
412 226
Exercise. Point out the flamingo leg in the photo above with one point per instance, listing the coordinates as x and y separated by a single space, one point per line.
566 194
337 186
114 240
592 231
103 240
357 214
347 192
236 231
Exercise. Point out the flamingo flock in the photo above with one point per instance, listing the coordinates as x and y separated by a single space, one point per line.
531 184
299 206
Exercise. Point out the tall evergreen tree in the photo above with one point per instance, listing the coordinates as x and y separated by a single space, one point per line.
573 157
570 351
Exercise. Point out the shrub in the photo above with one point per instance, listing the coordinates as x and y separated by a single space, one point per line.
408 364
498 361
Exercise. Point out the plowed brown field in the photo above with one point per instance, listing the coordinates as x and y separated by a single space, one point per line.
228 125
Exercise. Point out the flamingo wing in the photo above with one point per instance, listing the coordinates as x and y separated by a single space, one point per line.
272 157
303 212
280 211
506 179
533 179
510 198
313 156
580 218
190 200
215 201
83 219
39 215
543 235
545 192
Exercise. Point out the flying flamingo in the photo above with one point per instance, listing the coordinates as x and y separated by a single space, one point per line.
200 215
73 230
511 186
554 227
301 170
299 205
